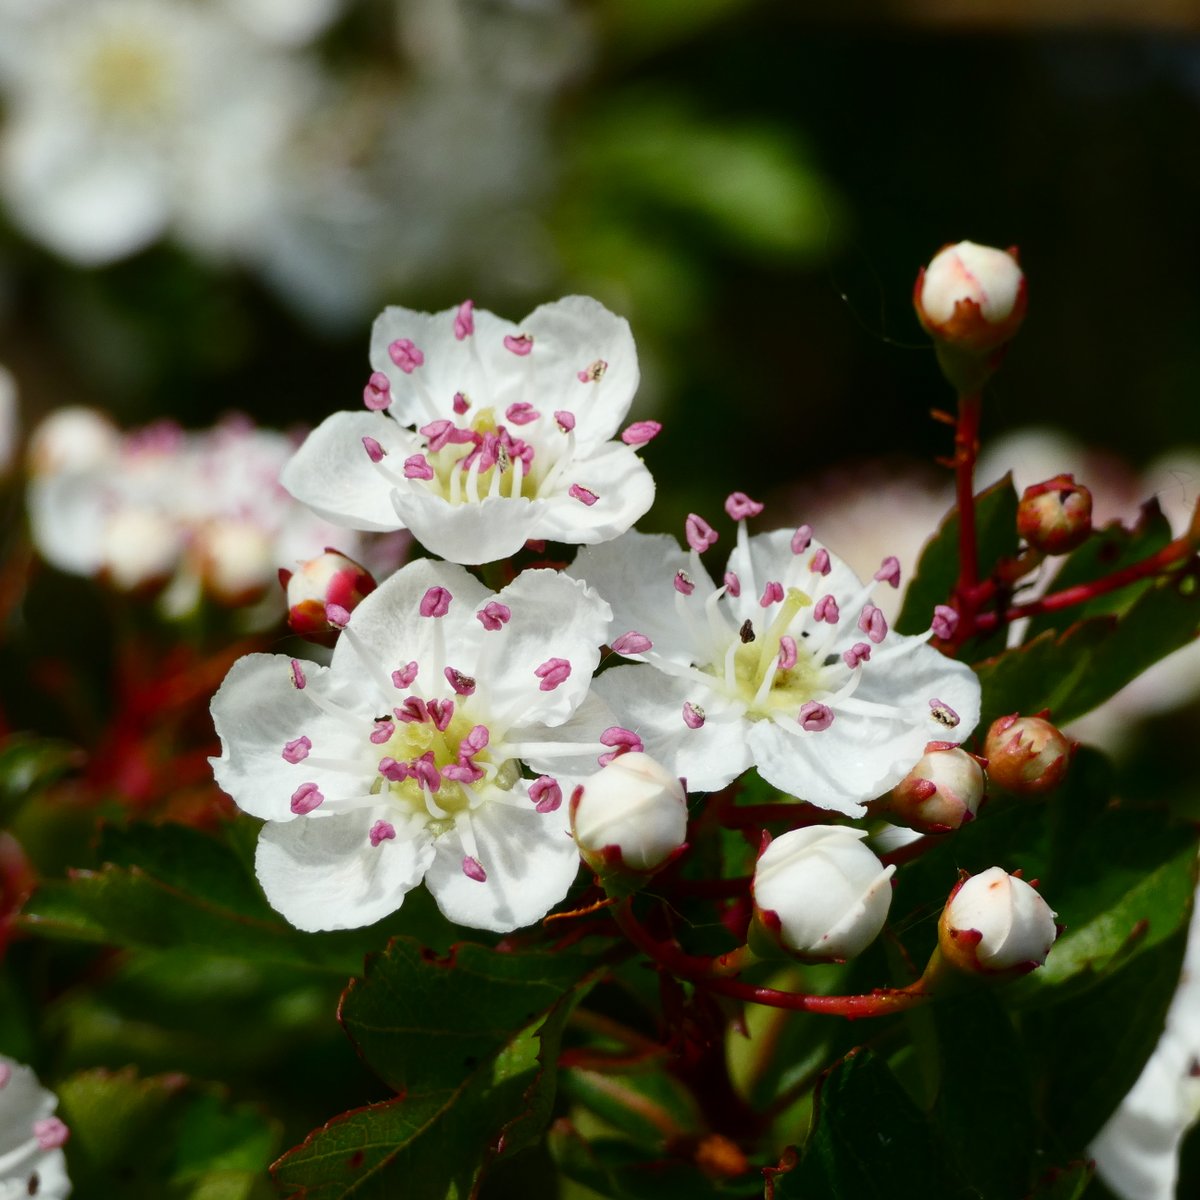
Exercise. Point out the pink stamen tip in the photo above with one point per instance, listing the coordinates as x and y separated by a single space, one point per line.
463 772
297 750
375 452
592 373
472 868
519 345
772 594
814 717
299 681
583 495
381 831
521 413
475 741
826 609
873 623
622 740
945 622
305 798
565 420
384 730
413 711
858 654
700 534
787 652
545 793
889 571
944 712
441 713
377 393
693 715
733 585
683 583
416 466
641 432
425 771
405 355
395 772
337 615
463 685
460 403
494 615
552 672
51 1133
436 602
802 539
632 643
403 677
739 506
464 320
820 563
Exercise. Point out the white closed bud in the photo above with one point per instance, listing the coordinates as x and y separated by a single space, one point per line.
324 591
72 439
234 560
630 816
942 792
139 550
996 924
819 895
971 297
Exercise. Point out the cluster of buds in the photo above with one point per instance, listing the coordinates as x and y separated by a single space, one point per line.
941 793
1026 755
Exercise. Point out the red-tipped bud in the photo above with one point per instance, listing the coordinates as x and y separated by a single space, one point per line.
942 792
323 592
1026 755
819 895
1056 516
971 297
995 924
629 819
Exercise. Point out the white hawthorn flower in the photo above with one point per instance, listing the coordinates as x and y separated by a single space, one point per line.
482 434
203 511
402 760
787 666
32 1162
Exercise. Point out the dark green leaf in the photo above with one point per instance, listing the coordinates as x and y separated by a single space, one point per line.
868 1141
937 570
29 765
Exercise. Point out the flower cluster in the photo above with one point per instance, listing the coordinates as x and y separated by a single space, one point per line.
452 723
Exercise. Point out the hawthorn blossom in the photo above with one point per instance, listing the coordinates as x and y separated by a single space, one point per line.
32 1162
404 759
480 434
787 666
161 508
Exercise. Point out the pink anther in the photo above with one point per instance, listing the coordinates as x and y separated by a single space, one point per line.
641 432
826 609
739 506
405 355
632 643
545 793
435 602
552 672
297 750
416 466
377 393
814 717
700 534
464 320
305 798
381 831
520 345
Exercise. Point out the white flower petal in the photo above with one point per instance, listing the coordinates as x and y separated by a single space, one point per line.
332 474
494 528
257 712
624 491
530 860
325 874
22 1161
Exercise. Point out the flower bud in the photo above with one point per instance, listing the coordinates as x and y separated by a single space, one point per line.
819 895
942 792
630 817
971 297
233 560
995 923
323 592
140 550
1026 755
72 439
1056 516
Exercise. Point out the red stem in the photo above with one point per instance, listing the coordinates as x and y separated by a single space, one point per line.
966 449
879 1003
1168 556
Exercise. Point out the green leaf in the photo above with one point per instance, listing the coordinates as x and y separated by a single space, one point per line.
432 1144
421 1021
1120 1019
868 1141
937 570
1068 1183
983 1101
1107 550
29 765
